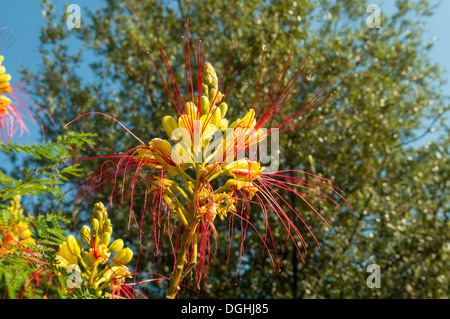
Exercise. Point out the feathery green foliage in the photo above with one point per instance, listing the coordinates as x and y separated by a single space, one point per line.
48 177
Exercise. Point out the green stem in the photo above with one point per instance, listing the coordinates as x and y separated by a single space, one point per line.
93 273
178 271
186 239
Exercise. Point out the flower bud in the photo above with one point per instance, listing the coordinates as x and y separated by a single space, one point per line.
191 109
169 125
115 246
219 97
204 105
66 253
72 244
208 133
5 87
108 230
99 212
205 90
249 119
212 96
216 117
85 234
95 226
5 78
106 238
223 108
123 257
4 101
210 76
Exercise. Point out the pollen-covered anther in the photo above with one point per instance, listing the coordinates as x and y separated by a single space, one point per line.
225 203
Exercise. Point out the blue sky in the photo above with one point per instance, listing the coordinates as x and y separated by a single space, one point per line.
25 19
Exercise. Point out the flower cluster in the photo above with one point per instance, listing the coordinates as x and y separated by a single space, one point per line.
208 167
15 105
95 265
4 88
14 227
198 159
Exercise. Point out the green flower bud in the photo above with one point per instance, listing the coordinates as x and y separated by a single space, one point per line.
216 117
205 90
95 226
219 97
99 212
223 108
204 105
212 96
115 246
80 244
85 234
169 125
210 76
123 257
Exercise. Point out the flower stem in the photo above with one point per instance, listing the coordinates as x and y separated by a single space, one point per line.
186 239
177 275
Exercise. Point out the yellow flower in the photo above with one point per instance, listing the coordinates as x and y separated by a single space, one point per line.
239 184
123 257
4 103
248 121
244 169
65 257
146 157
162 152
226 203
4 79
116 277
16 230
